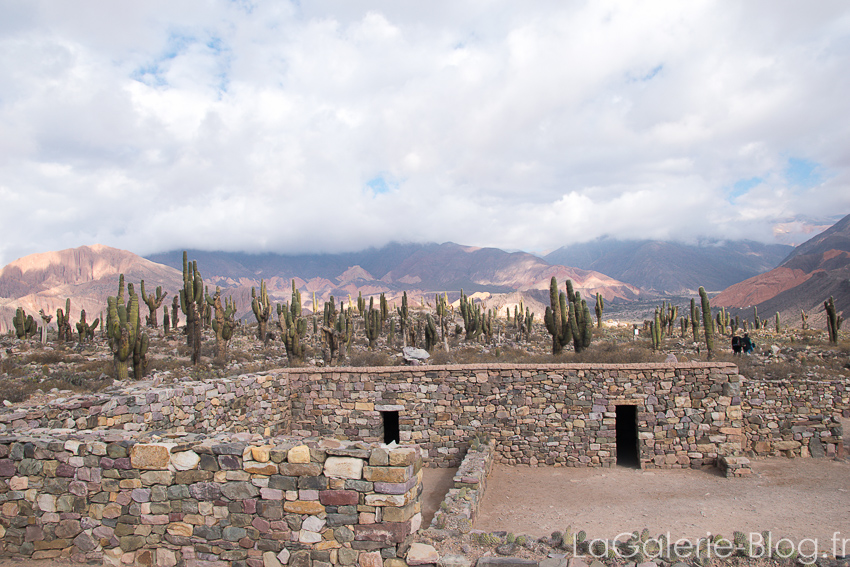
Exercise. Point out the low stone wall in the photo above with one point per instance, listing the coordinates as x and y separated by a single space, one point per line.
459 508
236 500
259 403
796 418
560 415
686 415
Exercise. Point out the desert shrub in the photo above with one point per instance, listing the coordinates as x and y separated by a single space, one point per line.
16 390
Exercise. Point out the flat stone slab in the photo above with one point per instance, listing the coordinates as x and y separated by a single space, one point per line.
506 562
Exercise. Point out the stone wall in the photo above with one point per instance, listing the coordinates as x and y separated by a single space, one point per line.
118 499
795 417
252 402
559 415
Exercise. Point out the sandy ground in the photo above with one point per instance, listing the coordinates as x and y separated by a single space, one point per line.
800 498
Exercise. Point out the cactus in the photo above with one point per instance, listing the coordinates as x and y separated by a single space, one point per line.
121 341
528 323
557 318
756 320
372 322
778 329
191 296
337 331
391 333
166 321
384 308
580 322
85 330
600 305
683 323
473 318
361 303
695 320
708 324
63 321
175 312
223 324
655 330
262 308
153 302
25 325
403 318
126 336
805 319
431 338
833 320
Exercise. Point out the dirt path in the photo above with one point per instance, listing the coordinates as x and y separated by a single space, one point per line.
436 484
801 498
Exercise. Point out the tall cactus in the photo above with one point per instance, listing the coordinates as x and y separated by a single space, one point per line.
805 319
223 323
707 322
153 302
695 320
756 320
430 333
473 319
262 308
581 324
85 330
191 297
125 333
557 318
442 308
372 321
655 330
121 338
403 318
63 322
833 320
600 305
175 312
293 327
25 325
385 309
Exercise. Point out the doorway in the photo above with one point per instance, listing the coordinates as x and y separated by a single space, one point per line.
390 423
628 454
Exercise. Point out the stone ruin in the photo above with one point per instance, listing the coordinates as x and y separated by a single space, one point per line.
322 467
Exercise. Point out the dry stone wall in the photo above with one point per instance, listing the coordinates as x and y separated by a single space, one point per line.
114 498
561 415
252 402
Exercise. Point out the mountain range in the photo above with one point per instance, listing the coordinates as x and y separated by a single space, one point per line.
814 271
774 277
670 267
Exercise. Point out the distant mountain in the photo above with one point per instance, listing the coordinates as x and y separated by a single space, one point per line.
87 275
815 270
672 268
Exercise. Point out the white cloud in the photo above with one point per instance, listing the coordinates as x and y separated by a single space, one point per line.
233 125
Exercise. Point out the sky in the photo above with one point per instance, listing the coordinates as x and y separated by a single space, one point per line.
329 126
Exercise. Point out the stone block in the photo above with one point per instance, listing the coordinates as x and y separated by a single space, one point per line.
422 554
344 467
185 460
150 456
388 474
300 507
299 454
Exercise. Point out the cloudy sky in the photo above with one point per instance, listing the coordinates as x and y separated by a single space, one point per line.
336 125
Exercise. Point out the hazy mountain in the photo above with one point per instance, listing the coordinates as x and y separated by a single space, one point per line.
397 267
672 268
815 270
88 275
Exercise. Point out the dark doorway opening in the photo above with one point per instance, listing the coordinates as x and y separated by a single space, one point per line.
627 437
390 421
